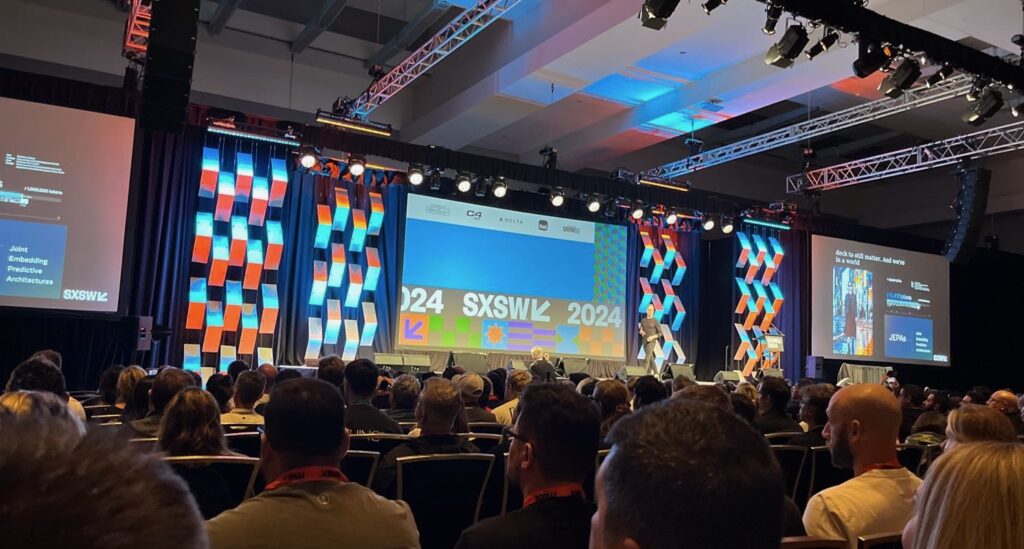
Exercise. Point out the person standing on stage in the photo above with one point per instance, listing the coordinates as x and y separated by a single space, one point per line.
850 311
650 334
541 367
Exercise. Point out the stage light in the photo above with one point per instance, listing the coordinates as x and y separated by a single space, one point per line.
637 211
654 14
708 222
593 204
727 225
785 51
872 56
1016 109
307 157
415 174
987 105
499 189
557 198
772 19
821 46
977 87
711 5
356 165
671 217
463 182
943 73
901 79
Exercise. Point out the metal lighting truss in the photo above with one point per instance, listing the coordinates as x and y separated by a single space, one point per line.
136 31
999 140
861 114
458 32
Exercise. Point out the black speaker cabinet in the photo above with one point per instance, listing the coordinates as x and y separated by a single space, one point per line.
170 55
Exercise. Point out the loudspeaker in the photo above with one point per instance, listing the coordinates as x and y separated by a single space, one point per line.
971 203
389 360
734 376
685 370
771 372
575 365
144 331
631 371
170 55
517 365
815 367
471 362
415 364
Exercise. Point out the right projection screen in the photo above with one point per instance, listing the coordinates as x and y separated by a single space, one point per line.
876 304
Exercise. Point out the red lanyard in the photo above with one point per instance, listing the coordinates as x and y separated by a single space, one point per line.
894 464
308 474
563 491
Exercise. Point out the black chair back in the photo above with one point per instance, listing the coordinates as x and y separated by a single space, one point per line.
407 426
791 459
445 492
241 427
483 441
360 466
601 456
494 494
780 438
245 443
911 456
811 542
106 418
218 483
892 540
486 427
377 442
145 444
823 473
101 410
512 499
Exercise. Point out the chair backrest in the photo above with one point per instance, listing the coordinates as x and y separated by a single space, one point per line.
360 466
911 456
242 427
377 442
145 444
487 427
601 455
892 540
101 410
246 443
445 493
485 442
218 483
780 438
811 542
106 418
791 459
407 426
823 473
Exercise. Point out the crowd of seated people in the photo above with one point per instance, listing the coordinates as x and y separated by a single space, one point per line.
687 466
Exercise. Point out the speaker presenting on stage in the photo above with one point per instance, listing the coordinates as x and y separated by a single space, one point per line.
650 334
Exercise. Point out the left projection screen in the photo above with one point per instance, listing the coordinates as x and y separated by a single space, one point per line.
64 179
476 278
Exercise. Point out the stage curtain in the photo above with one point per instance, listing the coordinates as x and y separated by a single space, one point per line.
295 278
388 296
793 278
715 329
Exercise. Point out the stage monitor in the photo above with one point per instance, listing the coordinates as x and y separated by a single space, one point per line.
64 178
477 278
873 303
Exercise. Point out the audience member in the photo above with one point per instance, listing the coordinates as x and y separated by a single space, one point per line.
710 394
361 377
681 382
814 401
612 403
977 395
515 384
742 407
577 377
541 367
484 402
748 390
793 406
672 479
937 401
331 369
554 443
647 390
309 502
40 406
236 367
140 400
286 374
930 428
974 423
107 388
191 426
405 392
39 374
269 372
54 357
472 387
863 423
169 382
221 386
1005 402
587 386
248 389
499 380
773 395
126 382
440 402
61 489
911 400
971 498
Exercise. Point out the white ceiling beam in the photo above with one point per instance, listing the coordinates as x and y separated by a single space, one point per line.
225 9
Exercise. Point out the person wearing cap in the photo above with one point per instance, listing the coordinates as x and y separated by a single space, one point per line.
472 387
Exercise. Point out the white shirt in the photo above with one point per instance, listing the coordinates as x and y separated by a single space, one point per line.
504 412
880 501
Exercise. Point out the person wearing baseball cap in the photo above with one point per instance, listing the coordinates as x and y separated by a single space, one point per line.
471 386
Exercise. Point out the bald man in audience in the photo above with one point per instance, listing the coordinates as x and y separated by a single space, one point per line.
861 433
1006 403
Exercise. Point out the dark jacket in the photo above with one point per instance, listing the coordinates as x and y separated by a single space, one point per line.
558 522
776 422
146 427
543 370
401 415
387 471
812 438
910 416
362 417
475 414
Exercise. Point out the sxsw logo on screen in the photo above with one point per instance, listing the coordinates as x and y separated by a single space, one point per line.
85 295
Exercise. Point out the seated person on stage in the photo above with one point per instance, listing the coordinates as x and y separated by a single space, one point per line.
308 501
645 503
863 423
38 373
169 382
554 444
515 384
647 390
248 389
439 403
1006 402
541 367
813 404
472 388
405 392
361 377
332 370
772 396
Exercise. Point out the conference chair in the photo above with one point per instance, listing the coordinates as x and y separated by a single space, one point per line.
101 410
407 426
445 493
144 444
811 542
911 456
360 466
246 443
377 442
106 418
485 442
242 427
601 455
823 473
82 396
791 459
780 438
495 491
218 483
892 540
487 427
512 496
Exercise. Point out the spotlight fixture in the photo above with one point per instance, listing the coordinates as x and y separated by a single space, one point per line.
637 211
593 204
654 14
727 225
557 198
872 56
828 40
783 53
499 188
711 5
1016 109
987 105
671 217
708 222
977 87
943 73
356 165
307 157
901 79
415 174
774 13
463 182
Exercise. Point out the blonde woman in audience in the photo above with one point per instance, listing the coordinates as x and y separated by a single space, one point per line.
748 390
976 423
971 498
126 382
42 406
191 426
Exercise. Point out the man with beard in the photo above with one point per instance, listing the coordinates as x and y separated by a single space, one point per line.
863 423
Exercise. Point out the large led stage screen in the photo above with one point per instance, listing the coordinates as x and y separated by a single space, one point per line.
878 304
476 278
64 178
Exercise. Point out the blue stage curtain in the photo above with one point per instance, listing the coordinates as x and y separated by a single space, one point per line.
388 296
689 245
793 278
295 279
